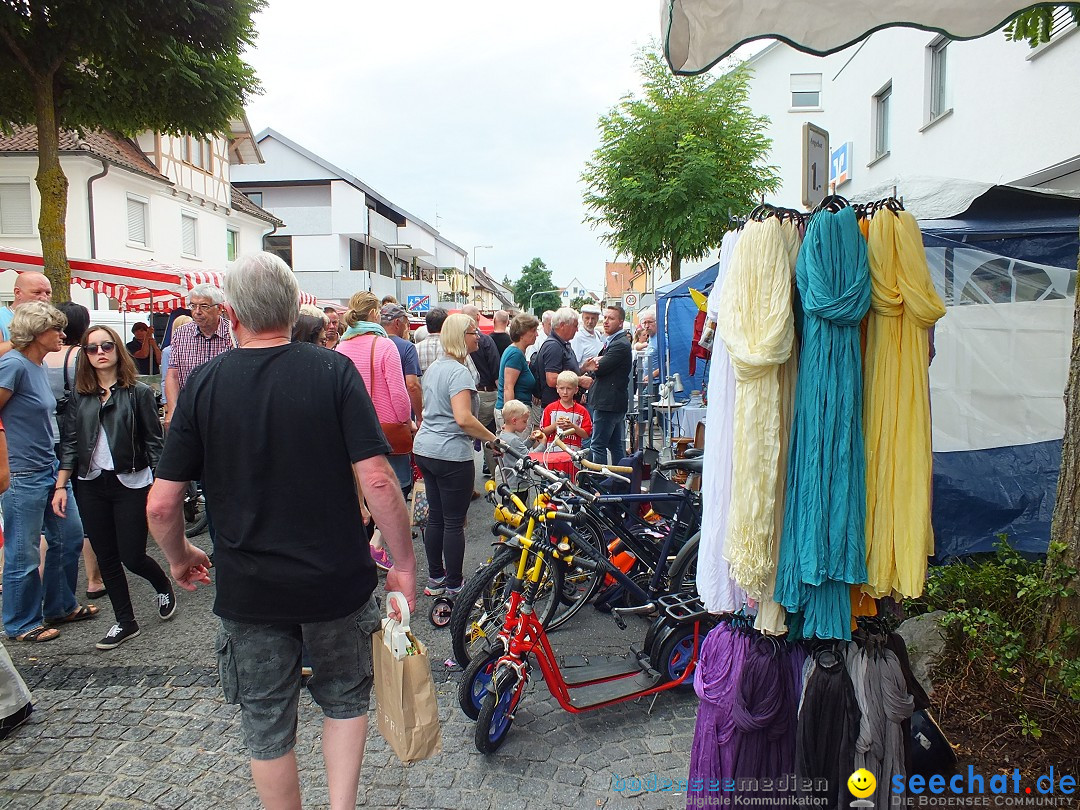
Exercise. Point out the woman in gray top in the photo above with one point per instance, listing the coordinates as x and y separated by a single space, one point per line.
443 449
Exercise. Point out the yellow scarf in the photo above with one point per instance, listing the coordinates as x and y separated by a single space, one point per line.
755 321
896 407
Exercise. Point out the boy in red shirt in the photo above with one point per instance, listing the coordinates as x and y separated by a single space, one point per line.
565 415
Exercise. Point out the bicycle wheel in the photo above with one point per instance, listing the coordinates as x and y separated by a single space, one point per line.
683 574
480 609
578 585
473 686
495 718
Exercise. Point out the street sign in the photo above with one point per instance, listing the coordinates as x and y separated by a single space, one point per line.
816 156
418 303
630 300
841 164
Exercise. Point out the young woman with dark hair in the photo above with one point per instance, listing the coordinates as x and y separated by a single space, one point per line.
112 440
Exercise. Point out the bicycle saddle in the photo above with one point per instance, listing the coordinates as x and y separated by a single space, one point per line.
693 452
690 465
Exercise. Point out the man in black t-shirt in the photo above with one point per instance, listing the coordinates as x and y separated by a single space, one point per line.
291 556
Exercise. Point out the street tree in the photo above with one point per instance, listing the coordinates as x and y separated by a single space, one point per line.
675 163
1063 614
581 301
530 288
130 66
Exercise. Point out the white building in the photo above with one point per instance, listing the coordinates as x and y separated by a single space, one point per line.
156 197
576 289
907 102
341 236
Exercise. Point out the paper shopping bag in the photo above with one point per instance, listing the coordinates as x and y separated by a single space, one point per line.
407 713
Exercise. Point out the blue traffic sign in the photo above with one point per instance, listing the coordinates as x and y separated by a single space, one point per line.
418 303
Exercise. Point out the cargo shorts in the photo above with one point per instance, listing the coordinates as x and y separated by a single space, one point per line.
259 666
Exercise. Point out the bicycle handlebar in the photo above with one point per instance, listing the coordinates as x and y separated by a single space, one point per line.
579 458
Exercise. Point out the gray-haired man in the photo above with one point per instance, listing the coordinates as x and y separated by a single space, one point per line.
293 566
197 342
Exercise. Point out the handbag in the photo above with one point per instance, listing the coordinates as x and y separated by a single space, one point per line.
406 710
419 504
398 434
62 403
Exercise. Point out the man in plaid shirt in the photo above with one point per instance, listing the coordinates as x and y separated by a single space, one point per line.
430 348
194 343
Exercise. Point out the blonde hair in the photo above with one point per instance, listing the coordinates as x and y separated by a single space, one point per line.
453 335
360 308
32 319
513 409
180 320
314 311
568 378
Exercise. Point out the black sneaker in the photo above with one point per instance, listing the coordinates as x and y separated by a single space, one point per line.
117 635
166 605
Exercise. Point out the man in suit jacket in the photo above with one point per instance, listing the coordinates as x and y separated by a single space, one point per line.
609 395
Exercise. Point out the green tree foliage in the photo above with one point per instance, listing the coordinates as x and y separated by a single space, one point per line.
581 301
675 162
128 66
1033 26
535 278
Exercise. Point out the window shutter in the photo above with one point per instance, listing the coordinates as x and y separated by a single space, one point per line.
188 243
136 214
15 208
805 82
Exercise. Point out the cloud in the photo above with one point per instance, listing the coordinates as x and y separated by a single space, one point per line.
479 114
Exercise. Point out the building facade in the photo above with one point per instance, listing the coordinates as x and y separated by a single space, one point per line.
341 236
905 102
152 198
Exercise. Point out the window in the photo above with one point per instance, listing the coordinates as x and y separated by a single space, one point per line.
206 158
805 90
356 256
138 220
938 90
15 216
185 149
255 197
189 235
232 244
881 121
280 246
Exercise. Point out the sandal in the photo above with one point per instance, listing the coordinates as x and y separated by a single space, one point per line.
81 613
38 635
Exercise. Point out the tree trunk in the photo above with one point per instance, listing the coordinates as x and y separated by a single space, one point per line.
676 266
1065 528
52 186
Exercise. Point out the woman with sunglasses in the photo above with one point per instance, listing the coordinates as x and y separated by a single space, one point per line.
27 405
112 440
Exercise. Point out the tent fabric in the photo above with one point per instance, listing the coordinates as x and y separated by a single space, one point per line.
137 286
675 314
697 34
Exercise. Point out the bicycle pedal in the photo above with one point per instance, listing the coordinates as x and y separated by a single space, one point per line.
618 620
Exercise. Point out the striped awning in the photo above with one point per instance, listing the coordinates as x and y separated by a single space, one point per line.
137 286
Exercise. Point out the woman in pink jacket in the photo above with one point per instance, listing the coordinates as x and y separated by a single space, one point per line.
375 356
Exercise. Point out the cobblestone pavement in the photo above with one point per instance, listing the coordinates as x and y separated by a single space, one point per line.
145 726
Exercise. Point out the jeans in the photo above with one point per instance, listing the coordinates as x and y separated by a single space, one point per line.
114 517
449 492
27 511
608 434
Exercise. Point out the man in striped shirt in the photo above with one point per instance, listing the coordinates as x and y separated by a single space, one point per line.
194 343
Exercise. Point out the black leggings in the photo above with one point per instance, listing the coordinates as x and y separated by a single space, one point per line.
449 486
114 518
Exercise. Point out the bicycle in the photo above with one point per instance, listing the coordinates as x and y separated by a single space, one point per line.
479 611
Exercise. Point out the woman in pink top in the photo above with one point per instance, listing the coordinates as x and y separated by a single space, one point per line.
384 380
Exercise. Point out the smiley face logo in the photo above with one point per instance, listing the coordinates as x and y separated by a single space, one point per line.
862 783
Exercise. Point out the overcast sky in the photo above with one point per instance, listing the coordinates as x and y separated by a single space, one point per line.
476 117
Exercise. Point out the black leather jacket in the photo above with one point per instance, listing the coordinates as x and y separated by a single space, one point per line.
130 417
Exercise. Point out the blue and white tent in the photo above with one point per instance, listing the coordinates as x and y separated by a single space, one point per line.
675 313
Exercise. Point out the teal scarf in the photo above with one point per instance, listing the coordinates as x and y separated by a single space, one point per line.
364 328
823 546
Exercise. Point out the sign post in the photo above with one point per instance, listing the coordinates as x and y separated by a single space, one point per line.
630 301
841 164
418 303
816 160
